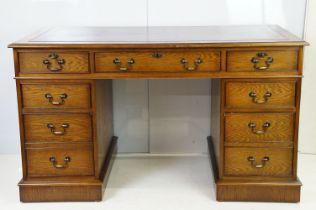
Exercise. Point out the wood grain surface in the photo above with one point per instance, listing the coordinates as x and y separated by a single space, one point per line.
32 62
170 60
36 130
285 60
78 95
81 163
283 93
280 130
279 164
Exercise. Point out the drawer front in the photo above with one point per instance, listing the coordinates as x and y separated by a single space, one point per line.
259 127
50 62
258 161
262 60
161 61
57 96
57 128
60 160
252 94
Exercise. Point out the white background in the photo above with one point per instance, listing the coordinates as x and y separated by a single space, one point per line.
147 116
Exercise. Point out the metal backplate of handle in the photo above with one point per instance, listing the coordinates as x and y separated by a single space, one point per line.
54 161
254 130
53 62
186 65
262 57
257 100
118 63
50 98
53 130
254 164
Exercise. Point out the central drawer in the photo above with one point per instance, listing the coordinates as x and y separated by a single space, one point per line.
202 60
57 128
60 160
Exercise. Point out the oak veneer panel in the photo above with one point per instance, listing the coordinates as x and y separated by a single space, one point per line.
280 130
32 62
78 95
40 193
283 60
36 130
260 191
104 119
168 62
215 139
81 162
279 164
237 93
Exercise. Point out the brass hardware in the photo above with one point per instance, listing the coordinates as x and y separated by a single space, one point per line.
253 126
252 160
52 128
59 61
265 99
156 55
51 98
260 57
54 161
118 63
185 63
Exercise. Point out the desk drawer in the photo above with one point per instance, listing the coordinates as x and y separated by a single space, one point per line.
259 127
57 96
54 62
57 128
255 94
60 160
262 60
258 161
159 61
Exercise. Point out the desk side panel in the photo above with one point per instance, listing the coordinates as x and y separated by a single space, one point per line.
216 119
103 121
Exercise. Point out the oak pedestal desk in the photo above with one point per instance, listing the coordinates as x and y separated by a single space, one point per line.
64 89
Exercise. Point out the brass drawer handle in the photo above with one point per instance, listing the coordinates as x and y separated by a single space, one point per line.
260 57
118 63
253 163
265 99
54 161
253 126
185 63
51 99
52 128
54 57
